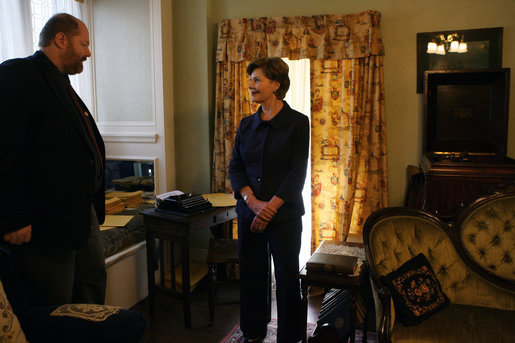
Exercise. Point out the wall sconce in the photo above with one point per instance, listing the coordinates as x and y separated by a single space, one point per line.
451 43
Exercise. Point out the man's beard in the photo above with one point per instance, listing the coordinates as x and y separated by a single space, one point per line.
72 62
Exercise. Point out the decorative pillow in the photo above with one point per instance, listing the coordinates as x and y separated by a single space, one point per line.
91 312
10 330
415 290
83 323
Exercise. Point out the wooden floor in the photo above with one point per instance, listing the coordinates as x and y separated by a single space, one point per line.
167 325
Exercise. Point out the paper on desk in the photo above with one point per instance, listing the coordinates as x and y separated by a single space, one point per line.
168 194
220 199
116 220
105 228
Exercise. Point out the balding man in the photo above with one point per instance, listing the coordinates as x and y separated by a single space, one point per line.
53 167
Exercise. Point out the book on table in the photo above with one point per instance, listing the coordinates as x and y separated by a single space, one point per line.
339 264
332 263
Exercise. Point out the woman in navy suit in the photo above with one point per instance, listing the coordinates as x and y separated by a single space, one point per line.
267 173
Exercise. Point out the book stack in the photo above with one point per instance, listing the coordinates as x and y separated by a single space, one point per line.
134 183
129 199
330 261
114 205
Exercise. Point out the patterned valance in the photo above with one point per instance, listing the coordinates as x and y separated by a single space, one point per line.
321 37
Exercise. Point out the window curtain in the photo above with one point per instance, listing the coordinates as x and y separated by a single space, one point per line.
15 29
348 147
16 34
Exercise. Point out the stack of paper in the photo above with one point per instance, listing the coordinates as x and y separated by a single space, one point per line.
220 199
114 205
112 222
129 199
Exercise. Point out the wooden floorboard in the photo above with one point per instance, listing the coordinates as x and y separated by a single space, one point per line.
167 325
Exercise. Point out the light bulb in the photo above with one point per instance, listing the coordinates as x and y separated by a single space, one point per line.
455 46
440 50
431 48
463 48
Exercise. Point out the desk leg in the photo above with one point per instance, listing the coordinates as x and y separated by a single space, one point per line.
186 292
304 316
151 278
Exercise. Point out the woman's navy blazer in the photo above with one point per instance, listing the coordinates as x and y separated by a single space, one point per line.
271 157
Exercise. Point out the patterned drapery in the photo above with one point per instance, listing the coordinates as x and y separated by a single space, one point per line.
349 177
232 104
348 145
320 37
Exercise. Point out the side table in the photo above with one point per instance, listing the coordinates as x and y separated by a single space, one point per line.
330 280
177 229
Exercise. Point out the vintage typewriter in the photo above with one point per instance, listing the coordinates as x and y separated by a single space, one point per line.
185 204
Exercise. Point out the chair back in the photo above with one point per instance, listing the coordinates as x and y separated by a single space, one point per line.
487 235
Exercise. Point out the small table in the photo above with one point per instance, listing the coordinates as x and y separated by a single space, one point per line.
330 280
177 229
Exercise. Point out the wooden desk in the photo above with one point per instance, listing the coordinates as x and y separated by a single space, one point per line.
330 280
176 229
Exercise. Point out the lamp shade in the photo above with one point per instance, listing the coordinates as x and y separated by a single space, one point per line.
431 48
455 46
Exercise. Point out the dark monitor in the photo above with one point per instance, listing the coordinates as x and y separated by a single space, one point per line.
466 112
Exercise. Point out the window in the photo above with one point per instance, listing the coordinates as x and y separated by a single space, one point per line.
299 98
41 10
20 25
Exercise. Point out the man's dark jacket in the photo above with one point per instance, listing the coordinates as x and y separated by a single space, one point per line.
48 168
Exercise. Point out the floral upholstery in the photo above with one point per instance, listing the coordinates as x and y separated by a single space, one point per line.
481 239
10 330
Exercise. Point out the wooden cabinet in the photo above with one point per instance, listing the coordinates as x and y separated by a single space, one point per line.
443 188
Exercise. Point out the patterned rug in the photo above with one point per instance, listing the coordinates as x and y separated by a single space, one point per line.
235 335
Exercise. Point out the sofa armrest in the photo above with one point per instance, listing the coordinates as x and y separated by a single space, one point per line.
387 317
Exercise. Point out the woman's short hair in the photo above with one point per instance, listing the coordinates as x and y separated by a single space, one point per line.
274 69
60 22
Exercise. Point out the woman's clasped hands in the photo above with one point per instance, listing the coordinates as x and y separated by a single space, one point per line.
264 212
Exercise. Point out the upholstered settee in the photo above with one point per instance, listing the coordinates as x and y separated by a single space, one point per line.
472 259
69 323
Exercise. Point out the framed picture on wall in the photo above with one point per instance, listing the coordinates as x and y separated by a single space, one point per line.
458 50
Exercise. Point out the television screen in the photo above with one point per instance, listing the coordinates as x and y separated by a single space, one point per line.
466 112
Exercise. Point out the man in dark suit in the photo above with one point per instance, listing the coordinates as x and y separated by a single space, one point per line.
53 170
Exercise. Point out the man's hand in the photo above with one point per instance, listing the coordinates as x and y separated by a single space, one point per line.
19 236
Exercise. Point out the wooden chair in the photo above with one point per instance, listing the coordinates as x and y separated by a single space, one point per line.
221 250
225 251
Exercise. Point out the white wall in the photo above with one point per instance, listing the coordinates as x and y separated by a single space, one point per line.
129 99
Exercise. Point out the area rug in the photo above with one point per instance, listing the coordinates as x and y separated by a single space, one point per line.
235 335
